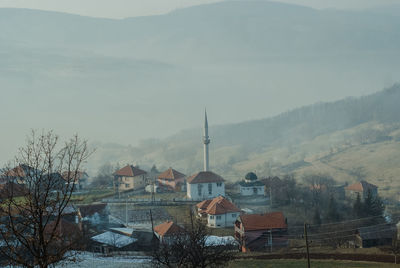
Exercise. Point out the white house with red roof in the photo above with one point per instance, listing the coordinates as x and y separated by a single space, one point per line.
168 231
219 211
130 178
172 179
205 185
362 188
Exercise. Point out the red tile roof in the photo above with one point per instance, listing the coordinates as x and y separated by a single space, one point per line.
171 174
130 171
204 177
19 171
274 220
203 204
220 205
168 228
361 186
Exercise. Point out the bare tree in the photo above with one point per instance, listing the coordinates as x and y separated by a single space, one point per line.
190 249
32 224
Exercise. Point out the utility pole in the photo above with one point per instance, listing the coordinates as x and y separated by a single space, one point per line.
151 219
270 198
126 212
270 238
308 252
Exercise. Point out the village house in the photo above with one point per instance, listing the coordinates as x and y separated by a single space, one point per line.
361 188
17 174
251 186
219 212
93 216
172 179
373 236
205 185
81 180
168 231
129 178
111 241
260 232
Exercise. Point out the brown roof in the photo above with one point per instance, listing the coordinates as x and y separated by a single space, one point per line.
10 188
88 210
168 228
204 177
19 171
267 221
171 174
361 186
130 171
220 205
203 204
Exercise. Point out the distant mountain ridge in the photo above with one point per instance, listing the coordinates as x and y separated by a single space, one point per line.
126 80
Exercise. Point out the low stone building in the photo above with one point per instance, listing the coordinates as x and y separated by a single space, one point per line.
373 236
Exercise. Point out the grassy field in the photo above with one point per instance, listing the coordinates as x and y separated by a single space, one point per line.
164 196
92 196
253 263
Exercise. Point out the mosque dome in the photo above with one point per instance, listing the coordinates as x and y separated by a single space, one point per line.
251 176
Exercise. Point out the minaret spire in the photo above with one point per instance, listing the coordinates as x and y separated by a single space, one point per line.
206 141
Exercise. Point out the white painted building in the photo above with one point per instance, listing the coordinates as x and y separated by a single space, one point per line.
251 186
205 185
219 211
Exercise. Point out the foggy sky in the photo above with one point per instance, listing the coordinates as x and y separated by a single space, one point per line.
37 87
132 8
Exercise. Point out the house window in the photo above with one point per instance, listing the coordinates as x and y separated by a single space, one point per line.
233 215
219 184
255 190
127 185
209 188
211 217
199 186
218 217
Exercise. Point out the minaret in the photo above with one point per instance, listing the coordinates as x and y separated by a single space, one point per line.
206 141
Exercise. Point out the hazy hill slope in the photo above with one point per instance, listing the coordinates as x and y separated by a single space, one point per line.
349 139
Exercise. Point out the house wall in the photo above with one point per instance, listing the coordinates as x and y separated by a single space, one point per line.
254 190
259 240
131 183
171 183
223 220
363 194
200 191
